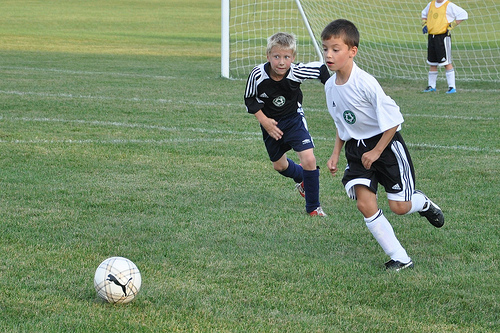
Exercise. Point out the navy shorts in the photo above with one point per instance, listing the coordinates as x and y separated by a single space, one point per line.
393 170
295 136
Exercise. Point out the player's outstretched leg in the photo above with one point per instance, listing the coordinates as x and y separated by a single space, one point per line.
431 211
293 171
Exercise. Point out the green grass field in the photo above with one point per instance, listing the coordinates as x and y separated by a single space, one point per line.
119 138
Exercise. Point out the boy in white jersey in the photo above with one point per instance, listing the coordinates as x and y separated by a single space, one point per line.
439 17
368 122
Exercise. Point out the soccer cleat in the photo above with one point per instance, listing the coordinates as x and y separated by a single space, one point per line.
394 265
429 89
300 188
318 212
433 213
451 90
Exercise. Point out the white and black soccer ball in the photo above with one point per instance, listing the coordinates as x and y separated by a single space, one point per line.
117 280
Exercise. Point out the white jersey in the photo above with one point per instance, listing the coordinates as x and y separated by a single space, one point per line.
360 107
453 12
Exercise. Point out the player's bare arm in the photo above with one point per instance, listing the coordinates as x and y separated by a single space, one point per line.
334 159
371 156
269 124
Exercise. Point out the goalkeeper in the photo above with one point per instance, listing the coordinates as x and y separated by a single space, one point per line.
439 18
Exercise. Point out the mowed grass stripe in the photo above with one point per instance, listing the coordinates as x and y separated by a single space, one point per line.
168 77
254 135
208 104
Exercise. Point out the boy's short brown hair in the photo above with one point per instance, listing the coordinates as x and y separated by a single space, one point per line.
344 29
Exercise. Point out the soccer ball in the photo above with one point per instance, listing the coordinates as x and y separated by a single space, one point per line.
117 280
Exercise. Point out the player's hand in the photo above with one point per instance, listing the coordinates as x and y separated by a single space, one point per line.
270 125
424 27
332 165
451 26
369 158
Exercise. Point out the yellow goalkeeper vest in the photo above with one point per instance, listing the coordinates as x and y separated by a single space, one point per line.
437 23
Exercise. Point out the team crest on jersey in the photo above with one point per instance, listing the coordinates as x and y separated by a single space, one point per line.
279 101
349 117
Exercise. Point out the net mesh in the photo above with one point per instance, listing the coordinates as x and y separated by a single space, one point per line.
392 44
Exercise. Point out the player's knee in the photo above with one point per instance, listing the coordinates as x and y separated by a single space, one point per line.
361 206
400 207
308 162
279 167
281 164
366 208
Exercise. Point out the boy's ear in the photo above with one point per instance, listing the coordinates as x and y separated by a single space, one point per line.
354 51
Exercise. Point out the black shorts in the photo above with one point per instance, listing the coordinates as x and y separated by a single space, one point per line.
439 50
295 136
393 170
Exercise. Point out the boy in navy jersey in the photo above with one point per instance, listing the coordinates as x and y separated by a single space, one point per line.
368 122
273 95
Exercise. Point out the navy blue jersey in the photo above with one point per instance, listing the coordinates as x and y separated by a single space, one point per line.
278 99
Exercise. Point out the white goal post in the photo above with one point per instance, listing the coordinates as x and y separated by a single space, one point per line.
392 44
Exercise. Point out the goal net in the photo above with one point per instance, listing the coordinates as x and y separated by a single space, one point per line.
392 44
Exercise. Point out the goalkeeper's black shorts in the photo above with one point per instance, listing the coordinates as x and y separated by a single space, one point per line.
439 50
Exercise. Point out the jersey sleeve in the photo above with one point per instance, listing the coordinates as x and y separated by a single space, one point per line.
252 103
387 111
311 70
425 12
456 12
324 74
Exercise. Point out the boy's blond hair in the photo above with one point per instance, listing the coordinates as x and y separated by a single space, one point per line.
283 41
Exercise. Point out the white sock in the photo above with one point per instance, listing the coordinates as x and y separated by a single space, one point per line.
382 230
432 79
418 201
450 78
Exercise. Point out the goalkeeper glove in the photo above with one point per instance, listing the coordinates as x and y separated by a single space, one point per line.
424 27
451 26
